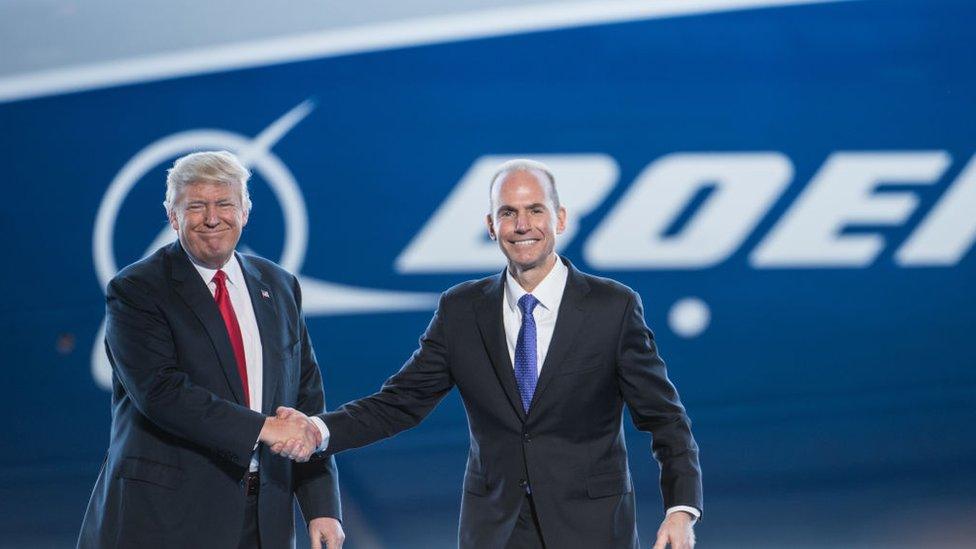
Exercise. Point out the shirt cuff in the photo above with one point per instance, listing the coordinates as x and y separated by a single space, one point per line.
325 433
688 509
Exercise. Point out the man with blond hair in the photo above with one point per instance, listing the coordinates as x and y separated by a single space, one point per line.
205 344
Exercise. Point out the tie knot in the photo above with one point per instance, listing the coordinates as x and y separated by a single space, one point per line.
527 303
220 277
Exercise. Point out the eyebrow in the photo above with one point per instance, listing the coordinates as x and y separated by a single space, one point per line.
506 207
219 201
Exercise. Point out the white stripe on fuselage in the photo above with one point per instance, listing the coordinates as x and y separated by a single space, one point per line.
362 38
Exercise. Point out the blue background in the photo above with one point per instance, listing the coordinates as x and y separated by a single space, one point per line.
833 406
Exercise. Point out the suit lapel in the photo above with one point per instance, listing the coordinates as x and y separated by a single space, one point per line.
566 332
488 311
267 320
191 287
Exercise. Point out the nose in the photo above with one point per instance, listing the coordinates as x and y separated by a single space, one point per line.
211 220
521 223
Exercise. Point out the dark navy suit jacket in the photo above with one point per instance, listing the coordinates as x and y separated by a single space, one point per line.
569 450
181 436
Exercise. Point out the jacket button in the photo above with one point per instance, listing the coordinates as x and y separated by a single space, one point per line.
523 483
526 437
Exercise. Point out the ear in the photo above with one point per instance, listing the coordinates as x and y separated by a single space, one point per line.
561 220
173 222
244 217
491 227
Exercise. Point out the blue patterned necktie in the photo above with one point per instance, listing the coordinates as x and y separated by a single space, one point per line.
526 358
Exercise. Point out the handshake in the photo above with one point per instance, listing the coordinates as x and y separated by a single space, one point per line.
291 434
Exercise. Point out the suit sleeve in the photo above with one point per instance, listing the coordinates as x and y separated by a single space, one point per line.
656 408
404 400
145 359
317 481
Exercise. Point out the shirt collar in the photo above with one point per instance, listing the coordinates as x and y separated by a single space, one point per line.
232 269
549 292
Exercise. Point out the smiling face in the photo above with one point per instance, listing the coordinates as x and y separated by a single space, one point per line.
525 221
209 217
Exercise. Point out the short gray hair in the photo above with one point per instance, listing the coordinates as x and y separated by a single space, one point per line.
525 165
206 167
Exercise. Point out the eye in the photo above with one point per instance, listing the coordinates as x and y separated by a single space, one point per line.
194 207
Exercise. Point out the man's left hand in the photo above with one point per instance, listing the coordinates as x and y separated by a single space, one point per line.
327 530
676 530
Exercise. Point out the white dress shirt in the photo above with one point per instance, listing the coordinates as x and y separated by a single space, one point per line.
549 293
244 310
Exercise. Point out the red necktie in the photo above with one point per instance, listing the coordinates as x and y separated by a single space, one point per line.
233 328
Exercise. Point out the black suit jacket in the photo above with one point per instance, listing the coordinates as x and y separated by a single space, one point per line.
569 450
181 436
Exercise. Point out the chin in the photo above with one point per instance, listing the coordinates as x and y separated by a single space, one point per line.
527 263
210 258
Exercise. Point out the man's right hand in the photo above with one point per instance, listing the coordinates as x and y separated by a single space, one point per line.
291 434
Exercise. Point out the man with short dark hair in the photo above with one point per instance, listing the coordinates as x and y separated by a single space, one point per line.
205 344
545 357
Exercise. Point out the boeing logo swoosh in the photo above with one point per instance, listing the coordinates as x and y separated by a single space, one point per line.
319 297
